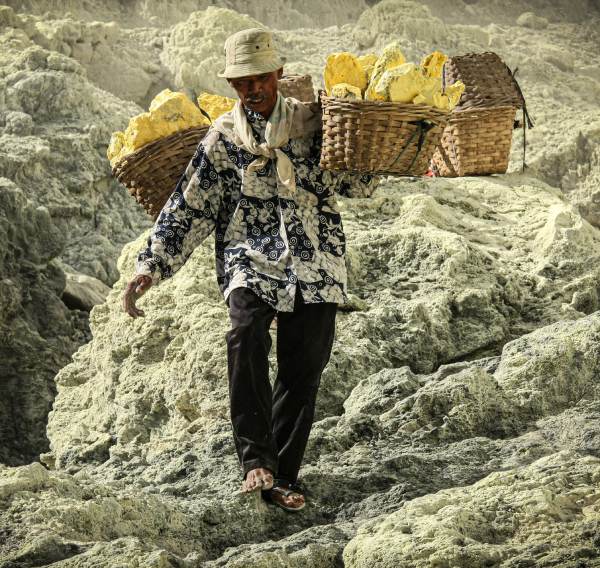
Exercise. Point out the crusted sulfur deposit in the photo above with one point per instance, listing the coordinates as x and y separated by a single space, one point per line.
542 515
438 381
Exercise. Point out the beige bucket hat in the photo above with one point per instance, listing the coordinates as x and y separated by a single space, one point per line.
250 52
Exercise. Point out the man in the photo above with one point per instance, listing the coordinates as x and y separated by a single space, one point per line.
279 247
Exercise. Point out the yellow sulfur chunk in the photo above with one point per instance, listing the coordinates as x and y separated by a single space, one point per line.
367 62
391 57
344 68
215 105
432 95
400 84
433 64
454 93
345 91
173 111
169 112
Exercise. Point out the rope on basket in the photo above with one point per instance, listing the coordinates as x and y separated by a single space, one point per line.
412 137
526 119
422 129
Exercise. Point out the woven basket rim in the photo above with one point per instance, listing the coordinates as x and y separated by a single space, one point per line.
295 76
378 106
476 109
155 144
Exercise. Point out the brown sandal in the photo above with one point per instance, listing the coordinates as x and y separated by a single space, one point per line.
287 491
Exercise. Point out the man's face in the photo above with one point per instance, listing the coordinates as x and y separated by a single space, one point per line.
258 92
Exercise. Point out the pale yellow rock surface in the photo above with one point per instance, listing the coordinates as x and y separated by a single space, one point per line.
193 48
465 364
520 514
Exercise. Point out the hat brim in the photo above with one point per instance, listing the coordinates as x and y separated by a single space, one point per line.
252 68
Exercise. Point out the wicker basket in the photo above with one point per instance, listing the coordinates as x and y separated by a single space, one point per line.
488 81
475 142
151 173
478 136
379 137
298 86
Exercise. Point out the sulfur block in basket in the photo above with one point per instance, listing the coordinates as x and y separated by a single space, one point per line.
367 62
169 112
431 93
390 57
346 91
215 105
344 68
400 84
433 64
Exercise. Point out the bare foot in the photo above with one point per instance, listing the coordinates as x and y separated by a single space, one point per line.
259 478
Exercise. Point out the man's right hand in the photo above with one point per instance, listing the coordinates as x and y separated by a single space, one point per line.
135 289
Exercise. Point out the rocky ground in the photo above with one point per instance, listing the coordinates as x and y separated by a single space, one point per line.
458 422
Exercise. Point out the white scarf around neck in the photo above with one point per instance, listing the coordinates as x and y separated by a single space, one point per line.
290 119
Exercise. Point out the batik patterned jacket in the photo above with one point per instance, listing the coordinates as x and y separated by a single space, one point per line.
266 238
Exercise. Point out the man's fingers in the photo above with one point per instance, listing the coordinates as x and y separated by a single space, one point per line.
129 304
130 307
135 312
135 288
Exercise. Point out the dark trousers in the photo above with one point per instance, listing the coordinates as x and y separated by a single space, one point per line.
271 426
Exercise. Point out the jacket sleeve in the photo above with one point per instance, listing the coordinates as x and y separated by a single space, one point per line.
187 218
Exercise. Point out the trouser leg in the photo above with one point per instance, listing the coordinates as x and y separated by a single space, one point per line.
250 395
304 340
